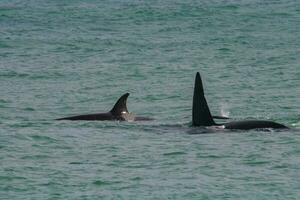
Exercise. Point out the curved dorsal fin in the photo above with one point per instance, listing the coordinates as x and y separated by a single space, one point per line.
120 106
201 113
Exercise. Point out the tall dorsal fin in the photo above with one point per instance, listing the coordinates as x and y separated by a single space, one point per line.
120 106
201 113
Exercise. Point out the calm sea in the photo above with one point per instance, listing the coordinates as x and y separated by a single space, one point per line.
64 57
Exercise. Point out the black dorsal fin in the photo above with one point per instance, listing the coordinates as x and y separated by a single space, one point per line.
201 113
120 106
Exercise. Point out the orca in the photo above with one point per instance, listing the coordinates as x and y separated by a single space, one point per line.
201 115
119 113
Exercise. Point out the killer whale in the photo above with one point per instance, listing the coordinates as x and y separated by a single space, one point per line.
201 115
118 113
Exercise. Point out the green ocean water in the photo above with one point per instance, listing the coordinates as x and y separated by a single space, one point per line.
64 57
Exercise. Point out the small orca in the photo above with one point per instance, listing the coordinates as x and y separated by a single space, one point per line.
202 116
119 112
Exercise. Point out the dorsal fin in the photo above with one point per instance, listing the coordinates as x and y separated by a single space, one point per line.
201 113
120 106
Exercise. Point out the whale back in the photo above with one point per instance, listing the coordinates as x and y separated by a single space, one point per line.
253 124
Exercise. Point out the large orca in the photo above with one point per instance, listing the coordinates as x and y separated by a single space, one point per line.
202 116
118 112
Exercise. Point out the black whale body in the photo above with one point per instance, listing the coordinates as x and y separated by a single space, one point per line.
118 112
203 117
252 124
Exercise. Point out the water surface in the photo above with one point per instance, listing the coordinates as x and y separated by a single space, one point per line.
59 58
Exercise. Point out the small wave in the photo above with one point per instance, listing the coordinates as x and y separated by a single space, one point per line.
4 45
34 76
4 101
10 178
36 157
103 183
29 109
43 138
76 163
174 153
256 162
11 74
